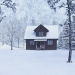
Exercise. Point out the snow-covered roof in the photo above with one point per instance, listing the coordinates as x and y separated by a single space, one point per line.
52 34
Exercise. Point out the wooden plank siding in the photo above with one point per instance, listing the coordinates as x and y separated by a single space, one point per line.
37 33
41 29
47 47
30 47
51 47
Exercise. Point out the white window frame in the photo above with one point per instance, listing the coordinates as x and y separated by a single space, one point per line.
41 33
50 42
31 42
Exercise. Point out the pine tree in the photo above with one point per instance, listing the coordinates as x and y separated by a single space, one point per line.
65 36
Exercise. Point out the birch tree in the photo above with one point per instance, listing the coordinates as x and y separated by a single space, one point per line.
11 31
18 32
10 26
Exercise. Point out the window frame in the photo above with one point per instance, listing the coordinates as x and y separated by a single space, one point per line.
41 33
32 42
50 42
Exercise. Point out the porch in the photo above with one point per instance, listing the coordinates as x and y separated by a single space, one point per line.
40 44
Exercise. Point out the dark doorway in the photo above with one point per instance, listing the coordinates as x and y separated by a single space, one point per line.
38 44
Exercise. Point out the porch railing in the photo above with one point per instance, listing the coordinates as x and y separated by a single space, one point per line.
42 46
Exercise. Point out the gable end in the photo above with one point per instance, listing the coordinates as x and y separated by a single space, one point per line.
41 27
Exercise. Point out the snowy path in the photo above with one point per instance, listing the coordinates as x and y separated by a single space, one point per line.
23 62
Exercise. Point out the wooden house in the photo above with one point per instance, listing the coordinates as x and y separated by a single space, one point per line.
41 37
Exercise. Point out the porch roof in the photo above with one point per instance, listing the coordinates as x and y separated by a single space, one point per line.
40 40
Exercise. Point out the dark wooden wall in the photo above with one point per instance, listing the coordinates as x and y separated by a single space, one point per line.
37 34
30 47
47 47
41 29
51 47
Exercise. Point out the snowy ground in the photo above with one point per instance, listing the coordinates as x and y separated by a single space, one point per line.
35 62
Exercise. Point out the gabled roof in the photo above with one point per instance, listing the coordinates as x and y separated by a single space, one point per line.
52 34
41 26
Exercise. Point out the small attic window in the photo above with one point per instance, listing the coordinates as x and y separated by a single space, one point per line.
41 33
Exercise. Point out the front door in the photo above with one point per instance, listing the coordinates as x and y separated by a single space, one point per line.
40 45
42 42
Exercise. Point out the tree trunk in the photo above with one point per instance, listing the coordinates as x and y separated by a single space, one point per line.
2 39
12 42
18 42
70 33
23 43
3 42
11 45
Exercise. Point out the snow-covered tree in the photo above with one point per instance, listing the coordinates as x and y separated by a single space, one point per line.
9 4
11 31
69 4
33 22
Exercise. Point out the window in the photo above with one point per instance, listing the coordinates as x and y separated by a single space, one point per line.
31 42
40 33
50 42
